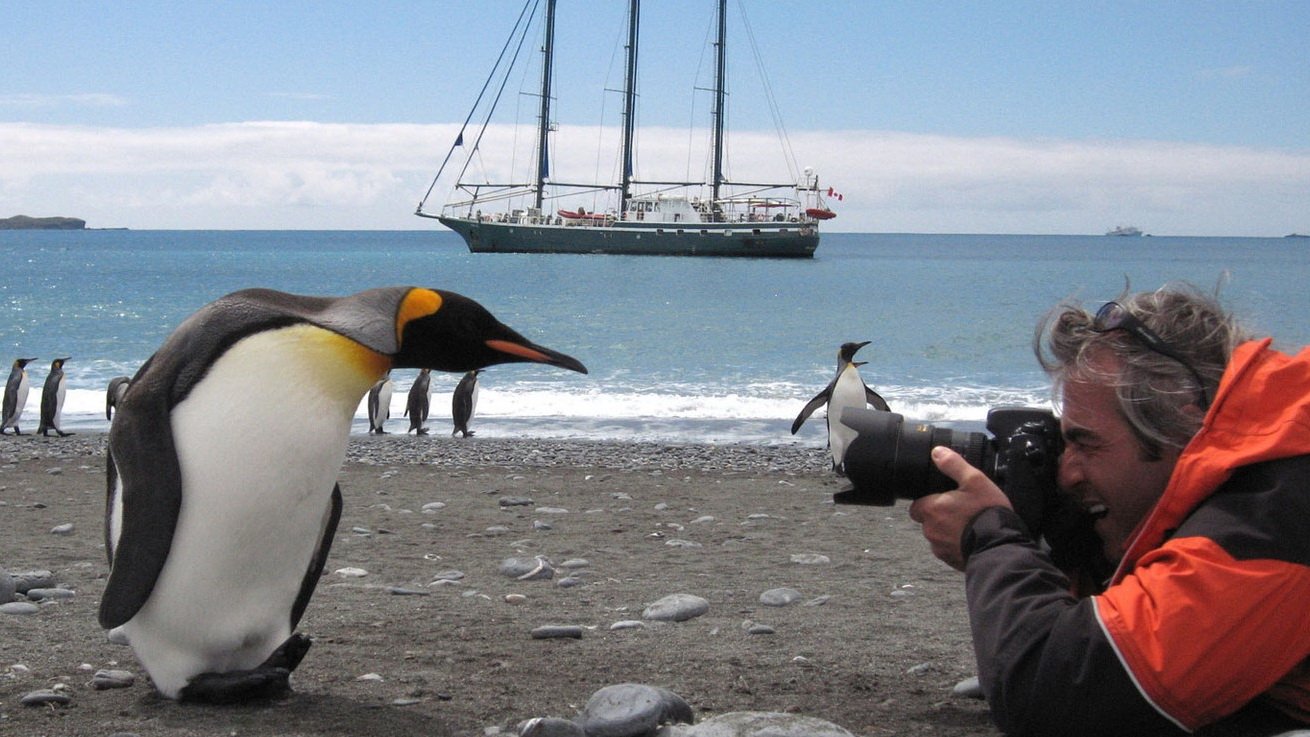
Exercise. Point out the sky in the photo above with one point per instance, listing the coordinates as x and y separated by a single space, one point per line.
1050 116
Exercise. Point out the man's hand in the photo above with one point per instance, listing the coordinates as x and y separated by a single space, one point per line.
944 516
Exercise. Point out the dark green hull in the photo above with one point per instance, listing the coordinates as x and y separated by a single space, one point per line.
749 240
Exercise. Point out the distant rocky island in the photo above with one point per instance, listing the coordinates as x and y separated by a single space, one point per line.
23 222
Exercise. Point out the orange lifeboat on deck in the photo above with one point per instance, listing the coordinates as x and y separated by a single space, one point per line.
820 213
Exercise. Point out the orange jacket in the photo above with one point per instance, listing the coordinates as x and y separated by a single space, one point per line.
1206 613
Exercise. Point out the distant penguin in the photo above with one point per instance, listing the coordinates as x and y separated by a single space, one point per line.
846 389
464 402
222 465
114 394
379 405
416 405
15 396
52 400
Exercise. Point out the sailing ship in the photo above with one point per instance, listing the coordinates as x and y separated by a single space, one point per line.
713 217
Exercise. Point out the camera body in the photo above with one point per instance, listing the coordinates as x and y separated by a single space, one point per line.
891 459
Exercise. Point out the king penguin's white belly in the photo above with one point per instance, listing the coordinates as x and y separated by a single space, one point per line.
848 392
260 441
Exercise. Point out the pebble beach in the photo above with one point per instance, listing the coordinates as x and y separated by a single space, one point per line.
494 586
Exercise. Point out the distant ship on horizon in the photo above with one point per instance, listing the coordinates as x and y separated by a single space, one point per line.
1125 230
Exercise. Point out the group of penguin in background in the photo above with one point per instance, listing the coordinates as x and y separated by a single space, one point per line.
209 616
52 398
463 403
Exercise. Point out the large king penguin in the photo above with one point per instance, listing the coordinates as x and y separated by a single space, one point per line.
15 399
379 404
418 402
223 459
52 400
846 389
463 403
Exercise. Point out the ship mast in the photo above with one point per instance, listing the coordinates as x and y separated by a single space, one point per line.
543 123
719 74
629 105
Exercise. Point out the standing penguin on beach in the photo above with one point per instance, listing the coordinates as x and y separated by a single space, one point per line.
15 396
52 400
464 402
416 404
379 405
846 389
114 394
222 467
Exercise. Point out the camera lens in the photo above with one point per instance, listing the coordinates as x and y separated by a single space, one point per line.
891 460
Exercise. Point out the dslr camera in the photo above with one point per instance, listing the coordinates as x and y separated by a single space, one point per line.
890 459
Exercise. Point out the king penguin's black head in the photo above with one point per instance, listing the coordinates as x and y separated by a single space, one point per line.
449 332
848 350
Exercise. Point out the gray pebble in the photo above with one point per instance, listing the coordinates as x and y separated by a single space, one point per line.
401 591
628 624
515 501
451 575
760 629
527 569
24 580
45 696
553 631
106 679
575 563
568 582
7 587
810 559
676 608
64 529
969 688
19 607
631 709
780 597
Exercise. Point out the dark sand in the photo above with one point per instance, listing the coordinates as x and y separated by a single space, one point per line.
880 656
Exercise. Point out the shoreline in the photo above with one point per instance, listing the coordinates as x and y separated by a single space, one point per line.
436 450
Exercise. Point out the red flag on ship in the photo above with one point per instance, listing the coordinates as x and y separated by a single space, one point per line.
835 194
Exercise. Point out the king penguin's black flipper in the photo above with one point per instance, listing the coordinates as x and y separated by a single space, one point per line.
143 457
819 400
875 400
310 582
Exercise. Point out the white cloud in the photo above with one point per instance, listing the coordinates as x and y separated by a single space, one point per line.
319 175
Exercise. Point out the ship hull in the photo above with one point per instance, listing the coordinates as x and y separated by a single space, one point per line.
747 240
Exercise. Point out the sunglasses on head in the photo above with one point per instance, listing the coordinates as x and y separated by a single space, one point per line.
1114 316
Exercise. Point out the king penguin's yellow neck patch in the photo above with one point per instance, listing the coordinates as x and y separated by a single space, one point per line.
418 303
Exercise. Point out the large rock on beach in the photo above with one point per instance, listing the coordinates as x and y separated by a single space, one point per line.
632 710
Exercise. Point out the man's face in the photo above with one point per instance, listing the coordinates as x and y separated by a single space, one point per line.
1103 464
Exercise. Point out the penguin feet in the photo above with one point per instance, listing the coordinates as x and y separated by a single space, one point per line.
270 680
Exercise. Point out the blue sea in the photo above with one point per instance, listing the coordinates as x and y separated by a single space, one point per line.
680 350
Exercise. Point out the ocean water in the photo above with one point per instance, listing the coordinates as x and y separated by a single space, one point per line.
679 349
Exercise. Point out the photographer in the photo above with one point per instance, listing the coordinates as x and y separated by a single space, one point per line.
1190 445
